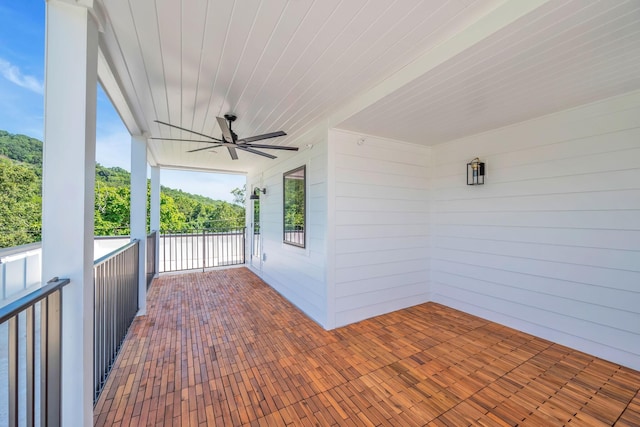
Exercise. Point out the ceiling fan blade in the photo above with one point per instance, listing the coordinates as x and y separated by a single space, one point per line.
187 140
226 132
263 136
233 153
202 149
245 148
186 130
271 147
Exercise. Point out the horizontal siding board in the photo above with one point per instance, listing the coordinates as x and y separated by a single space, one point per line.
381 218
378 283
600 163
350 231
570 307
613 298
365 245
606 239
381 256
372 297
344 175
579 165
574 152
454 188
383 192
568 150
361 204
603 219
595 200
608 278
389 165
349 274
605 258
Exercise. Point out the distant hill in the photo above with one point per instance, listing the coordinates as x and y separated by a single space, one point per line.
21 198
21 148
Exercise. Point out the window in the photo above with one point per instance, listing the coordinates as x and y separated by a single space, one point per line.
294 206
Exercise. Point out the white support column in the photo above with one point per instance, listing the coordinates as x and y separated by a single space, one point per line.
155 198
139 213
155 211
68 193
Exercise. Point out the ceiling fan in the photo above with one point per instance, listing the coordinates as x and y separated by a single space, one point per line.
230 139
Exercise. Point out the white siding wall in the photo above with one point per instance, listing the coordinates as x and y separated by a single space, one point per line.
379 216
551 243
297 273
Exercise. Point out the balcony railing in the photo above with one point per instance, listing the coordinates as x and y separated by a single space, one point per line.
115 307
294 235
34 365
151 257
200 249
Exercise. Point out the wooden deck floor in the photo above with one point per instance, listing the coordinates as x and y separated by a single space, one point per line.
222 348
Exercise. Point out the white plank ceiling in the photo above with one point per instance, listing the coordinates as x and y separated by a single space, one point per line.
290 65
563 54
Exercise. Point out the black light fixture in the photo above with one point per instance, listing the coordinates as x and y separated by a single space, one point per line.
475 172
256 193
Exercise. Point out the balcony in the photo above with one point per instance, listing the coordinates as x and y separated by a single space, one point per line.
224 348
384 118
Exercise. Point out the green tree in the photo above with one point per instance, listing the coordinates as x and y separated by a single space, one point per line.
112 210
20 204
171 219
20 198
239 195
294 204
21 148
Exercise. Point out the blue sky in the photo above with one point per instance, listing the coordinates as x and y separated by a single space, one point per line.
21 101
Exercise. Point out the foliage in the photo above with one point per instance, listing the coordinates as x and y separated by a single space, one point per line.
238 195
171 218
20 203
115 176
20 199
111 210
294 200
21 148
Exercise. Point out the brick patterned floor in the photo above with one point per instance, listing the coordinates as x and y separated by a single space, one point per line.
222 348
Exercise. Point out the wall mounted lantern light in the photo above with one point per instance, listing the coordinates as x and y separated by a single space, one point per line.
256 193
475 172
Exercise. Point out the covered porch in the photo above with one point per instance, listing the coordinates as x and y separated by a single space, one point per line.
384 105
223 348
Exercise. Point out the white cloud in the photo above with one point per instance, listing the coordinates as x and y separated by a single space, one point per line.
15 76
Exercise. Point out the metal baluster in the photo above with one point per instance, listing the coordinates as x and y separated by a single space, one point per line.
13 371
44 356
30 350
54 360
